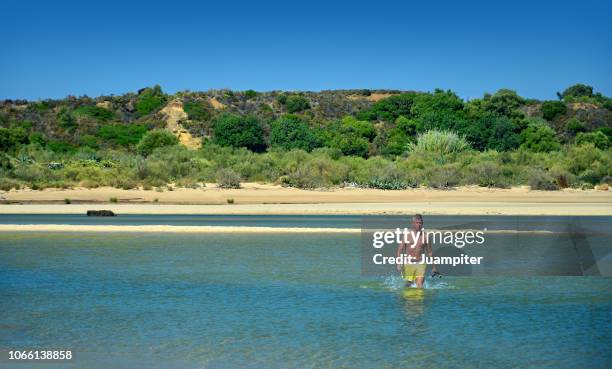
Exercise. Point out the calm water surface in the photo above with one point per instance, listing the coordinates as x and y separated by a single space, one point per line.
276 301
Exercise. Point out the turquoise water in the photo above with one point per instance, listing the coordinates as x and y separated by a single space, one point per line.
549 223
281 301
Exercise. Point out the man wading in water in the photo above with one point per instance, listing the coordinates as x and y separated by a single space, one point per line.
413 248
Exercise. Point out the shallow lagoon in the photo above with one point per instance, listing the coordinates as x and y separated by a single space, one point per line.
276 301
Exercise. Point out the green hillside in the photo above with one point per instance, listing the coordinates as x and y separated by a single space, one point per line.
370 138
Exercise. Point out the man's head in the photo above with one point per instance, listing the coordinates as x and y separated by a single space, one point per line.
417 222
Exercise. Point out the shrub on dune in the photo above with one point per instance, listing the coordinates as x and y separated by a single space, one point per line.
440 142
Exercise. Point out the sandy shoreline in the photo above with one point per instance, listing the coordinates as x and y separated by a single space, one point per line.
271 199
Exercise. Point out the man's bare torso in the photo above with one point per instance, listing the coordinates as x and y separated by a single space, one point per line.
417 239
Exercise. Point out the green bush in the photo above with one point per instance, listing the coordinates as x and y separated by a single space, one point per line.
389 109
236 131
122 134
502 135
5 162
196 111
553 109
65 119
562 177
90 141
149 100
577 90
539 137
400 136
585 157
359 128
438 111
290 132
7 184
94 112
504 102
296 104
487 174
250 94
598 139
41 106
302 170
155 139
574 126
606 131
11 138
540 180
442 176
38 138
349 135
61 146
440 142
227 178
349 145
488 131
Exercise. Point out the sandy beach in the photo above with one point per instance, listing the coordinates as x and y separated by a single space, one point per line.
256 198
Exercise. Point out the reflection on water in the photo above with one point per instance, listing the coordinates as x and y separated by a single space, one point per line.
278 301
413 302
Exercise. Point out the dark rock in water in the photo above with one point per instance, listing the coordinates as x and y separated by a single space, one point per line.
100 213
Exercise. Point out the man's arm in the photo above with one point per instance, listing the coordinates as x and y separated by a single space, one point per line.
434 268
400 252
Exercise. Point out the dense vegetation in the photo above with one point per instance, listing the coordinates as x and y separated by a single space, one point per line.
381 139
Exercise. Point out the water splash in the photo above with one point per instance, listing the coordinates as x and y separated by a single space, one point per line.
396 283
393 282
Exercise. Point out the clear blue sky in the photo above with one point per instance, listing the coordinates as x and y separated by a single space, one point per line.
52 49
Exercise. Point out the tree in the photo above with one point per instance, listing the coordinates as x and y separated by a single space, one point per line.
236 131
400 136
577 90
296 103
504 102
606 131
406 126
65 119
349 135
539 137
150 99
6 141
250 94
290 132
440 110
477 128
503 136
350 145
598 139
574 126
552 109
360 128
389 109
12 137
155 139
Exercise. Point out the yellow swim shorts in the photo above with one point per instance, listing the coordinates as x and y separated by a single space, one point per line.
412 271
